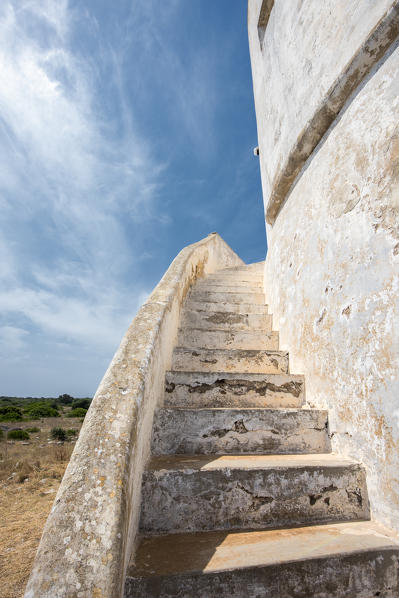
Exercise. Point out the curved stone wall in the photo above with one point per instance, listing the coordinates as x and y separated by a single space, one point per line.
91 530
306 62
332 269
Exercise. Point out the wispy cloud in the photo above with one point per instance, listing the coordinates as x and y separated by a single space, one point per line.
121 141
186 76
70 176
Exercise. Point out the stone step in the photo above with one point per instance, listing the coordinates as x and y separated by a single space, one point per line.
236 431
194 338
201 493
222 320
226 389
234 278
257 267
343 560
239 308
227 287
233 360
225 297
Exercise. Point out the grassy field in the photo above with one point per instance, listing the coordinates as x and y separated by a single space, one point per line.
30 473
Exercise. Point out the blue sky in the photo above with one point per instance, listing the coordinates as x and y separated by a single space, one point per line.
126 133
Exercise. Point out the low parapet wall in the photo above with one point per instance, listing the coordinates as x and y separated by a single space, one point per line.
91 530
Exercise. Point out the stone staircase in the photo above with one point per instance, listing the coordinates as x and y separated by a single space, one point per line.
242 496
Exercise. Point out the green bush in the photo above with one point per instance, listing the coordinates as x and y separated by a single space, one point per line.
78 412
18 435
39 410
65 399
10 413
71 433
81 403
59 434
33 430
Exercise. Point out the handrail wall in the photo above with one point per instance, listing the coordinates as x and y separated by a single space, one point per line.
91 530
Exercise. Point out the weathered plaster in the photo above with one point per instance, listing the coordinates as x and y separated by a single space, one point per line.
235 360
199 493
332 279
234 431
226 389
91 530
312 57
225 320
230 339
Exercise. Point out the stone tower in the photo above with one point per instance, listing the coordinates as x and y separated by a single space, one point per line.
326 86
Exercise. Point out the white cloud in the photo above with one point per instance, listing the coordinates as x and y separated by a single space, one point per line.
69 179
12 340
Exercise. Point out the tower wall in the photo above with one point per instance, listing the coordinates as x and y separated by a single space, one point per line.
326 87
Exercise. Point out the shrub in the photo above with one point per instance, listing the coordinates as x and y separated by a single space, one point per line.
10 413
65 399
78 412
81 403
33 430
1 434
18 435
71 433
39 410
59 434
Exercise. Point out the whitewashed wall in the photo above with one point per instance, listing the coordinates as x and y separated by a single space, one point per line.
332 269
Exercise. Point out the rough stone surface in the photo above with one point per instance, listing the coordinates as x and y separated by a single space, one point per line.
201 389
235 279
329 561
198 493
229 339
222 320
222 360
245 308
231 297
218 286
224 431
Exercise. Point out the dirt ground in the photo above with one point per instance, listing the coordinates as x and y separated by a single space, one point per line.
30 473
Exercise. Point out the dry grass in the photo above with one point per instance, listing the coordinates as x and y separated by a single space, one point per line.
29 478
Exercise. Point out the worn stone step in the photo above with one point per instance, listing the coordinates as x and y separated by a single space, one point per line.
200 493
236 277
227 339
226 389
241 308
233 360
235 431
227 287
227 278
222 320
342 560
225 297
255 267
